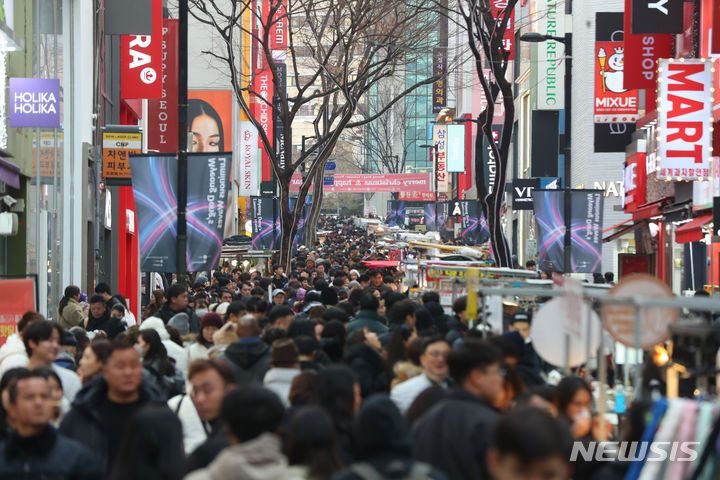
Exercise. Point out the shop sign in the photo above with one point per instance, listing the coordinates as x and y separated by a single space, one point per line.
35 102
684 119
117 148
641 54
634 178
551 63
657 16
141 60
440 133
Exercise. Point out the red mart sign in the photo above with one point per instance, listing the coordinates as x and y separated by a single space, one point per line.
141 60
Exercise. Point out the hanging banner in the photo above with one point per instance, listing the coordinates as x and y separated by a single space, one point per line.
440 140
248 160
684 119
116 150
210 120
162 112
208 187
301 224
279 129
496 8
262 212
443 214
439 92
522 192
474 228
17 296
641 54
613 102
657 16
154 180
141 60
415 216
278 32
396 214
551 57
456 148
586 219
379 182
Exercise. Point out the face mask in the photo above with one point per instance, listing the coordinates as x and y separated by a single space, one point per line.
139 350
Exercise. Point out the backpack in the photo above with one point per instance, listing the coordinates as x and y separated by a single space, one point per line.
419 471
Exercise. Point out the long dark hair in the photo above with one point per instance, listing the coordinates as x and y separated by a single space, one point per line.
70 291
196 108
566 390
152 447
157 353
310 441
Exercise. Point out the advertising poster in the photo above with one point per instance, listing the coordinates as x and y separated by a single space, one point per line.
210 120
262 215
396 213
586 220
372 182
51 150
17 296
206 208
474 227
443 214
415 216
154 180
613 102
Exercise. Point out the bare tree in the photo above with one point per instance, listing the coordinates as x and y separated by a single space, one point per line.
485 37
337 51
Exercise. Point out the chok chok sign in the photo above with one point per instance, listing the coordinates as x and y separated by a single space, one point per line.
35 102
684 119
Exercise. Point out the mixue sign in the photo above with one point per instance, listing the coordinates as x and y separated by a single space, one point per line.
684 119
141 60
35 102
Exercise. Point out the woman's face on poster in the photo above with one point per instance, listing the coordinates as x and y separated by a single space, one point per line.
206 134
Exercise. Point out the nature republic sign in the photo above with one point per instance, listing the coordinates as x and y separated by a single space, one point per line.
35 102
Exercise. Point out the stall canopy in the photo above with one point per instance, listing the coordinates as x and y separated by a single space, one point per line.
692 230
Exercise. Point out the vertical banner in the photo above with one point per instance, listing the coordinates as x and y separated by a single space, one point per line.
210 120
474 227
279 129
641 54
634 182
154 180
441 172
116 150
613 102
661 16
685 111
141 60
248 165
262 213
162 112
443 214
586 220
456 148
208 182
439 92
278 32
551 57
263 111
17 296
431 217
489 162
396 213
496 8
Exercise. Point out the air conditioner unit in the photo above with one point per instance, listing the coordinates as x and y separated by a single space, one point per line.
8 224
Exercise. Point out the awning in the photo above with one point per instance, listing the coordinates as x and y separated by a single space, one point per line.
692 230
380 263
9 173
624 231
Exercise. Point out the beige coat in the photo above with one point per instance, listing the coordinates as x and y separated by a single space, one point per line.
72 315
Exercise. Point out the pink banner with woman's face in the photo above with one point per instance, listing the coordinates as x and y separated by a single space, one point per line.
390 182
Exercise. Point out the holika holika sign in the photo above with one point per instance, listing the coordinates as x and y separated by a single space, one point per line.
34 102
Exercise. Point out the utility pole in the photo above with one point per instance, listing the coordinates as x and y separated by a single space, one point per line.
181 258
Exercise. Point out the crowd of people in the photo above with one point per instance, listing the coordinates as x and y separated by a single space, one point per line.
323 371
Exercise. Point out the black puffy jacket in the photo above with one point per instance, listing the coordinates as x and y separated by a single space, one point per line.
249 359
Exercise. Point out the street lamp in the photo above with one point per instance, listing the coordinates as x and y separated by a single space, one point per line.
434 162
535 37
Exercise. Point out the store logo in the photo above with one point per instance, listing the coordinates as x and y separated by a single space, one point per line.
635 451
35 102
